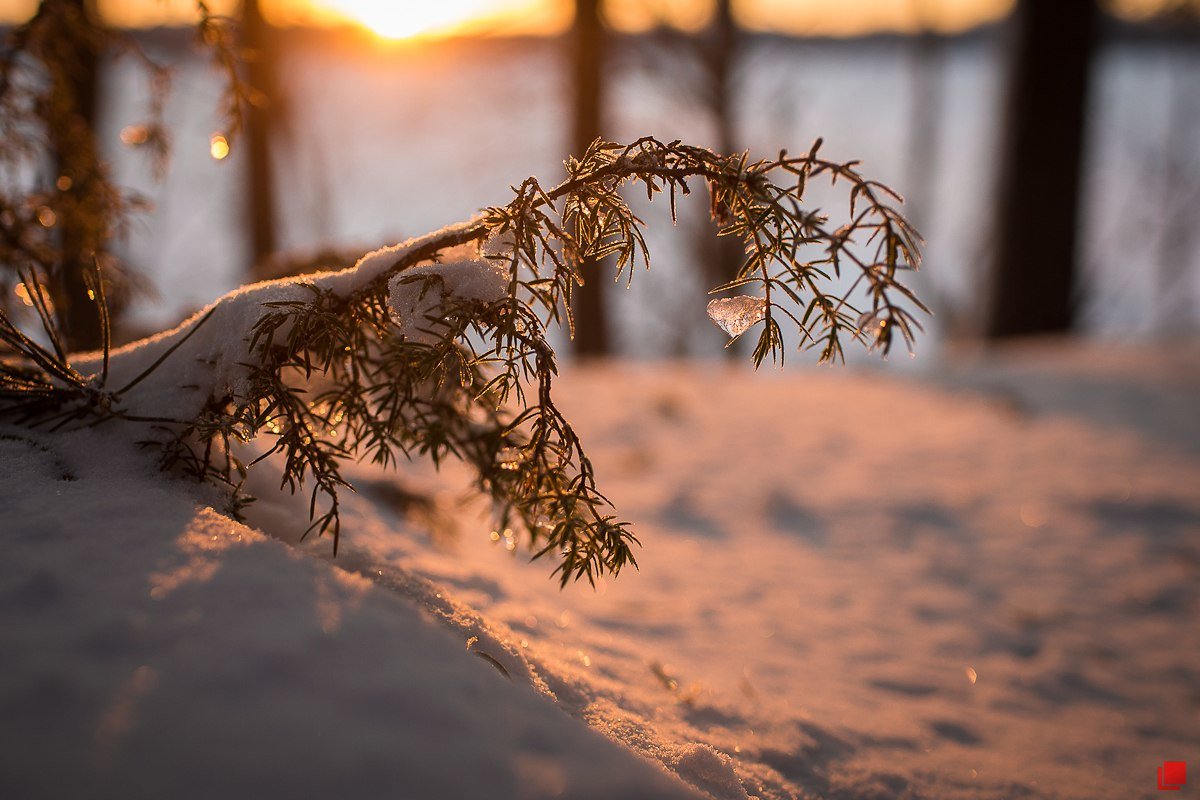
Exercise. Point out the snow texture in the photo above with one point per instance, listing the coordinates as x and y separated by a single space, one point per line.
214 362
735 315
416 295
153 648
992 594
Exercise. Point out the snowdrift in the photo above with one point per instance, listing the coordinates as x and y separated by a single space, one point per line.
991 595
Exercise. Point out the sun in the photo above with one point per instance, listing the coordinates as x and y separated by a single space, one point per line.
405 19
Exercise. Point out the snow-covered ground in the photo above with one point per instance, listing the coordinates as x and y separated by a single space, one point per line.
151 648
980 582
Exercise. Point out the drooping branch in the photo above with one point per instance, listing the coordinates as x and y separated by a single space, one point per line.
436 347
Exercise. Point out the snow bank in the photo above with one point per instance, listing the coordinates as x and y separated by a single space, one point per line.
152 648
863 588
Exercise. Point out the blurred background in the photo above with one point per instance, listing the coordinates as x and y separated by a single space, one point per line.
1047 151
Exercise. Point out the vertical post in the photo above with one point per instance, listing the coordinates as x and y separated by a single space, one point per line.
720 58
258 41
587 43
723 257
73 67
1035 266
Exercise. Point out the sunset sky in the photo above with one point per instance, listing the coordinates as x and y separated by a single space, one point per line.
546 17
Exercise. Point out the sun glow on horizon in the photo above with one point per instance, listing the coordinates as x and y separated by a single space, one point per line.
402 20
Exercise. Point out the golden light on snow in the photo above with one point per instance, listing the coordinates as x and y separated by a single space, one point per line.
121 715
218 146
1032 515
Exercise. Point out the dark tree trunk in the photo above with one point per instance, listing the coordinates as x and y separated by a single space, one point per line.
259 42
719 58
1033 277
76 166
587 51
722 257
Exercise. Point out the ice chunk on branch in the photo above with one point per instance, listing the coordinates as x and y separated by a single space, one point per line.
735 315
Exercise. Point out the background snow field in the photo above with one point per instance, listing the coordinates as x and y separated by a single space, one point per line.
982 583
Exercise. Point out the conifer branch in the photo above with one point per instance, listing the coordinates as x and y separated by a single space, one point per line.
437 348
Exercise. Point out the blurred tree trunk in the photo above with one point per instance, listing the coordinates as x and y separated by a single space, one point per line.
927 57
259 44
587 43
1033 274
73 66
718 59
723 255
